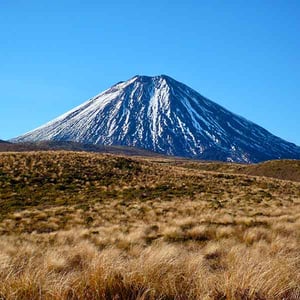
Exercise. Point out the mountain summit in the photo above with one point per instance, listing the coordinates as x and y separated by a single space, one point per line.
163 115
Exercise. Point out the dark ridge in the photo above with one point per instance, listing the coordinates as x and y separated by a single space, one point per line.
4 142
74 146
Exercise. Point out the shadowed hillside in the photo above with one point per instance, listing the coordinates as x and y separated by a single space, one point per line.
3 142
78 225
73 146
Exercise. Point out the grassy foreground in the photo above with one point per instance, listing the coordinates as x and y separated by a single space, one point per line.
93 226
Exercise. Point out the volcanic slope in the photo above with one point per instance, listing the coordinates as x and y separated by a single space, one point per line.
163 115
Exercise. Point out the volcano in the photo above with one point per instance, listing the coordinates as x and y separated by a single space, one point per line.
166 116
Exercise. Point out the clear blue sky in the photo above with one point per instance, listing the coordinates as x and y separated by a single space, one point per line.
244 55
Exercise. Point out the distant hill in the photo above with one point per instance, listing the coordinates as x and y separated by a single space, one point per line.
279 169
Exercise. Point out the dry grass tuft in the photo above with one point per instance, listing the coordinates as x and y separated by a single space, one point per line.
90 226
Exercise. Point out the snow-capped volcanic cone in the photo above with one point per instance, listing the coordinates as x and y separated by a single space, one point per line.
163 115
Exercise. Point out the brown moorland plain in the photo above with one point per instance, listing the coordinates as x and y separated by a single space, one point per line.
94 226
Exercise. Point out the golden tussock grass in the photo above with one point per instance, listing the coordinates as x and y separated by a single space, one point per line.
90 226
